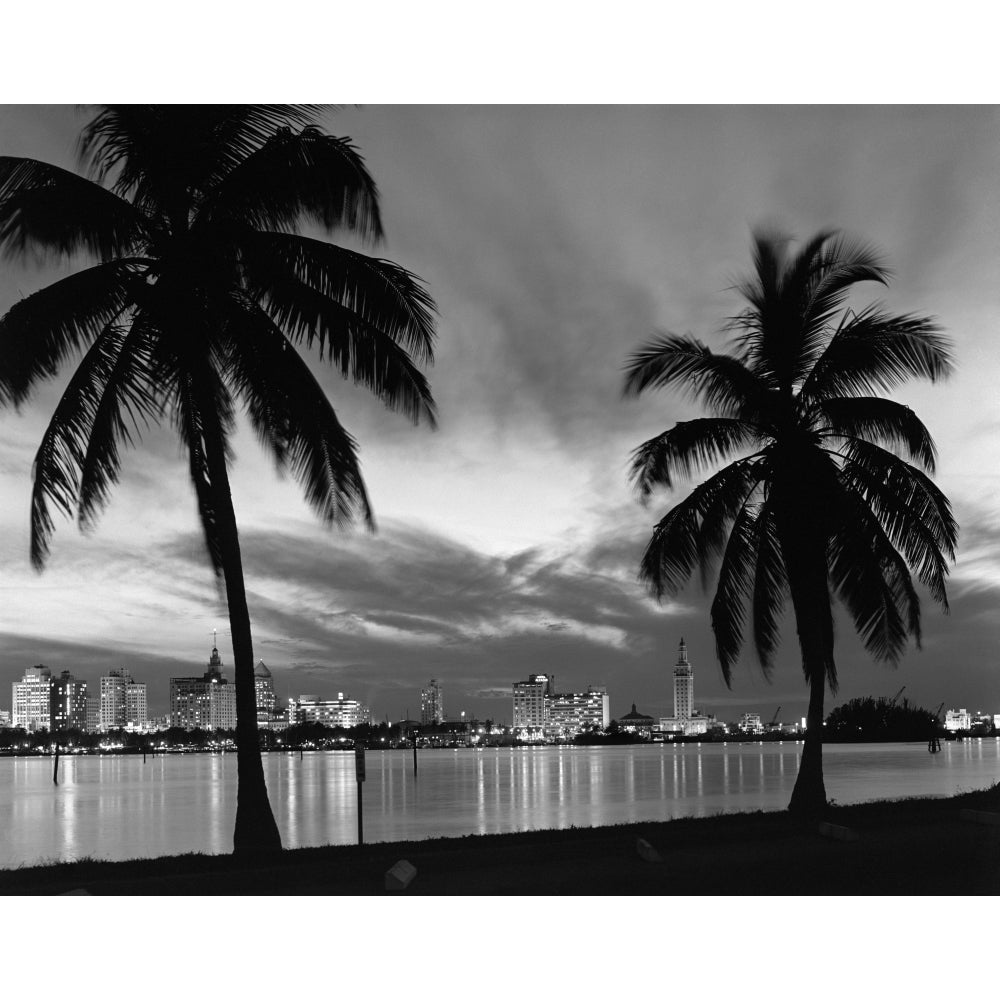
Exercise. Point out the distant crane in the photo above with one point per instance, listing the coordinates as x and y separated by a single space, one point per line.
895 697
771 724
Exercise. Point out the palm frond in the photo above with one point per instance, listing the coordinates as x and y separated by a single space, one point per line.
38 333
770 588
688 447
879 421
50 210
720 381
675 547
384 296
295 177
155 153
736 574
56 469
293 418
872 351
825 273
873 581
130 397
361 350
914 514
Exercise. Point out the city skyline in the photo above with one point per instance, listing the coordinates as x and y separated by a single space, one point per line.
681 680
554 240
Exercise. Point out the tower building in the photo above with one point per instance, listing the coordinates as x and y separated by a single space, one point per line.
68 703
206 702
685 719
263 686
431 704
683 685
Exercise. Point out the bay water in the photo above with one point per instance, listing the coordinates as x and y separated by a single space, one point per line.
118 807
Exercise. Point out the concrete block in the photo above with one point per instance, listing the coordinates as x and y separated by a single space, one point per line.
647 852
399 876
837 832
977 816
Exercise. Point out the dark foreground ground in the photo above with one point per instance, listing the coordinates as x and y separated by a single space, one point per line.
921 846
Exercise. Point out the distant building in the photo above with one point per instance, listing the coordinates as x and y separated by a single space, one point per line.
569 714
158 723
636 722
68 703
123 702
4 719
750 723
531 706
956 719
339 712
206 702
263 684
431 704
685 721
93 714
683 685
31 699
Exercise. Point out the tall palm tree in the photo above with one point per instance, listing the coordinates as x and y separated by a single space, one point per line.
820 505
196 295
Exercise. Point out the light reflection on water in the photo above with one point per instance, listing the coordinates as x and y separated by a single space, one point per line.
120 807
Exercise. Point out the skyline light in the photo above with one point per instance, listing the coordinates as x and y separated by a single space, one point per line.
554 240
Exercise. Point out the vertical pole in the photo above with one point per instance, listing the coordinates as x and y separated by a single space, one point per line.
55 767
361 823
414 755
359 767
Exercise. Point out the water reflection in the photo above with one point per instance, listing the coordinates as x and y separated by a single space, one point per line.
118 807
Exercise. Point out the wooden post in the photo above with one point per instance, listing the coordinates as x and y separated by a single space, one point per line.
414 754
55 767
359 766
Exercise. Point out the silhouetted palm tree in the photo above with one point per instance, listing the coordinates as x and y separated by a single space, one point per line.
820 506
198 291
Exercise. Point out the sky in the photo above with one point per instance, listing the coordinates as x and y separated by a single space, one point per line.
554 240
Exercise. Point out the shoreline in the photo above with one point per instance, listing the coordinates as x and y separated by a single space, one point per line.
69 752
902 846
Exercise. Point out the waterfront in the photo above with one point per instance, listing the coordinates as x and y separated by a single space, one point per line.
118 807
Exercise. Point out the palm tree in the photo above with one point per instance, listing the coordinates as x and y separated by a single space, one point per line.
820 505
196 295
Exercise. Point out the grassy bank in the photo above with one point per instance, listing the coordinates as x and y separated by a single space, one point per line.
910 846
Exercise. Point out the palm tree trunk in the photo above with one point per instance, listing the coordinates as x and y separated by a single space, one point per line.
809 793
256 830
808 584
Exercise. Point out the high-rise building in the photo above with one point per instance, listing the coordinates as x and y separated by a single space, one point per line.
206 702
342 712
685 719
263 685
571 713
68 703
123 702
32 699
531 706
4 719
93 714
431 704
683 685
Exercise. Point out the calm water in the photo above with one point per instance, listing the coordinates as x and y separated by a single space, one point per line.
119 807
